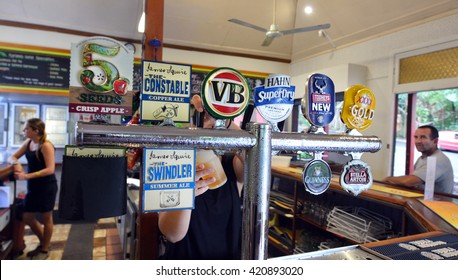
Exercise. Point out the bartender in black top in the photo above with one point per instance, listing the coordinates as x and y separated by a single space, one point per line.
212 230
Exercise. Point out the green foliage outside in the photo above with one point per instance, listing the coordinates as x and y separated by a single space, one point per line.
438 107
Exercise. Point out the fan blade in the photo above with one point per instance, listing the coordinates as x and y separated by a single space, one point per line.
305 29
246 24
267 41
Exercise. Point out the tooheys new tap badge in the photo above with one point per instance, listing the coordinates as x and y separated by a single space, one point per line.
320 97
225 93
275 99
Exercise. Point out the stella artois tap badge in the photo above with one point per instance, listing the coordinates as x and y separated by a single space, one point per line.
357 114
318 107
225 94
275 99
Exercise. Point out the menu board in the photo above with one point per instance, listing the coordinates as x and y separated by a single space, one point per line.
21 68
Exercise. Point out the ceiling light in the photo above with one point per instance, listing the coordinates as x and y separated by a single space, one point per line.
308 10
141 23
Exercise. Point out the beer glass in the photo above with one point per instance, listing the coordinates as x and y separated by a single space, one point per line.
211 160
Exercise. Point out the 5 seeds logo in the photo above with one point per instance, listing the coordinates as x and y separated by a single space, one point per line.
101 72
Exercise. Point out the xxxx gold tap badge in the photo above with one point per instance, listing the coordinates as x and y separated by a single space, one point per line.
358 107
356 177
225 93
317 176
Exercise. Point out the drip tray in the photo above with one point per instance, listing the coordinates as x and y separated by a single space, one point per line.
354 252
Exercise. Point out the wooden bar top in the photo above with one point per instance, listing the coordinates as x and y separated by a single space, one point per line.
403 239
5 171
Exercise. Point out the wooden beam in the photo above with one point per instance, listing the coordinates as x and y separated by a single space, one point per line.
147 223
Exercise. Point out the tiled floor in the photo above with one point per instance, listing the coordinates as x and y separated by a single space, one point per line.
106 245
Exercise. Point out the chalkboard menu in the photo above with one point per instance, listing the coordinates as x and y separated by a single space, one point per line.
30 69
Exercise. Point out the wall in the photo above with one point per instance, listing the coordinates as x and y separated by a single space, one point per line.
64 41
377 55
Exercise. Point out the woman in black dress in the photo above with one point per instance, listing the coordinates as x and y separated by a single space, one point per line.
41 184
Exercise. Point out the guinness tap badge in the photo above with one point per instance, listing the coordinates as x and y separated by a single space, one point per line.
225 93
316 176
318 104
275 99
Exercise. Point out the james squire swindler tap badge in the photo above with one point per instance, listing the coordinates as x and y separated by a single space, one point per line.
318 106
357 114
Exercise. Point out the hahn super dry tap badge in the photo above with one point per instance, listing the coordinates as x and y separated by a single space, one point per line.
275 99
225 93
319 105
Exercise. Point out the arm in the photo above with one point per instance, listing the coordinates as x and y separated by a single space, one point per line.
19 153
239 161
175 224
13 159
411 181
47 150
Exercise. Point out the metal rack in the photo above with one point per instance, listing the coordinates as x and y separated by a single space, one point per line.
358 224
258 141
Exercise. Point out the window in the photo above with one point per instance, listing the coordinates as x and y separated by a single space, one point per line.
439 108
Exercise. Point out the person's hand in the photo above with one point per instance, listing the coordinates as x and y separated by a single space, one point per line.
202 184
20 174
17 167
196 101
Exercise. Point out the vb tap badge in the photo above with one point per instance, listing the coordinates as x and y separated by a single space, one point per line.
225 93
318 104
275 99
357 114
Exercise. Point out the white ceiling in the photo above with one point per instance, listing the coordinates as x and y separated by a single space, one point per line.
204 23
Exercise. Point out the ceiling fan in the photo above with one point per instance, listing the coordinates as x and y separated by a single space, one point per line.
273 31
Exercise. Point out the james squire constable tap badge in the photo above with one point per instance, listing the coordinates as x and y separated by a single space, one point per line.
357 114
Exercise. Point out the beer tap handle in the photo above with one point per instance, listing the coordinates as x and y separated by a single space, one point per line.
168 122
